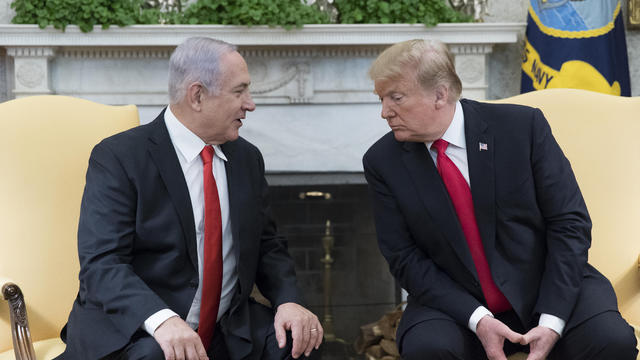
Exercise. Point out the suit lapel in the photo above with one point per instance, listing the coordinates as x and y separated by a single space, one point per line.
164 156
436 200
233 185
480 157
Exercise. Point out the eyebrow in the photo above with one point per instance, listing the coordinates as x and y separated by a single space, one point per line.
243 85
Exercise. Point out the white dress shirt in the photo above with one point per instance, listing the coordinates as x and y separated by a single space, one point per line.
188 147
457 152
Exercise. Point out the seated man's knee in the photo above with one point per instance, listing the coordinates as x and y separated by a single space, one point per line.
605 336
144 348
619 343
435 339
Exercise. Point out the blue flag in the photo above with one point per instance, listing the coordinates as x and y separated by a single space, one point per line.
577 44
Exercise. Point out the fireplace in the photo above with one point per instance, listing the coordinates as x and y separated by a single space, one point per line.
361 287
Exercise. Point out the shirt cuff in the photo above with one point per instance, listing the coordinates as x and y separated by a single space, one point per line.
478 314
151 324
552 322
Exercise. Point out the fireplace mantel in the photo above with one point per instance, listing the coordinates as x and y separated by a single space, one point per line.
332 35
310 84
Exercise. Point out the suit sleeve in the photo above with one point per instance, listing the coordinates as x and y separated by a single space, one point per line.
106 236
567 222
416 272
276 277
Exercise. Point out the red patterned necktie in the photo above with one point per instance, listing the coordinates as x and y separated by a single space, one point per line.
460 195
212 263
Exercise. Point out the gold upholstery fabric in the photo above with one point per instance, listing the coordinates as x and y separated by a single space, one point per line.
45 142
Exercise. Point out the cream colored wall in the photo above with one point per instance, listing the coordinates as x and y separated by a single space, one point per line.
6 13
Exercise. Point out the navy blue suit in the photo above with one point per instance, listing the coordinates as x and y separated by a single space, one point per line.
533 221
137 245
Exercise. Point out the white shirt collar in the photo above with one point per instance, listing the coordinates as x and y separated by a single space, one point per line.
455 132
186 142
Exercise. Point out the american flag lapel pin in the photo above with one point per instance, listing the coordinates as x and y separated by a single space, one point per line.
483 146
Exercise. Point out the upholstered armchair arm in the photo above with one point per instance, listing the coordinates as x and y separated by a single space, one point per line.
22 344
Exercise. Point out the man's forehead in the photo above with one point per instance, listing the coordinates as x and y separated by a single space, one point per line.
386 86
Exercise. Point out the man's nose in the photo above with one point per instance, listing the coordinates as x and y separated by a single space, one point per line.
387 112
249 105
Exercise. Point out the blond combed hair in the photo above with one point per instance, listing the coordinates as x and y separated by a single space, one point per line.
429 62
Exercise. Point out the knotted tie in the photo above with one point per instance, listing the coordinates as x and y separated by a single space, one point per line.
460 195
212 263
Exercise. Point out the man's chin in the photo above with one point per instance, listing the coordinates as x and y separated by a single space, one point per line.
399 136
233 136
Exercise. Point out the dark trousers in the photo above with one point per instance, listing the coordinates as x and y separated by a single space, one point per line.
605 336
145 347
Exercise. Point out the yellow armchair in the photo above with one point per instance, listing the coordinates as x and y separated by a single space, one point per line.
45 142
599 134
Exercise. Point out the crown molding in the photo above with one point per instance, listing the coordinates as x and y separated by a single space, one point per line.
312 35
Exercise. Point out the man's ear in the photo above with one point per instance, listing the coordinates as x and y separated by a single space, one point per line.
194 96
442 96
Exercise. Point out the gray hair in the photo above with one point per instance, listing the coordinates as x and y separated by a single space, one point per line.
197 59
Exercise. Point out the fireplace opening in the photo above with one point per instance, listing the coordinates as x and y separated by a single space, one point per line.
331 237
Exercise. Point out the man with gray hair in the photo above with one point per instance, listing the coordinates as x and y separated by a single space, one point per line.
175 229
481 220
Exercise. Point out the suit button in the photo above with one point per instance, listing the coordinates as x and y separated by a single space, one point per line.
476 283
193 284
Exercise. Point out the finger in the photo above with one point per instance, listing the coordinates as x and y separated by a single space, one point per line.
320 336
281 334
169 354
190 352
313 337
297 333
179 350
200 351
512 336
497 355
528 338
535 355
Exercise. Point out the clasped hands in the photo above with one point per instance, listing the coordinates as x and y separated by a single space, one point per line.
492 333
178 341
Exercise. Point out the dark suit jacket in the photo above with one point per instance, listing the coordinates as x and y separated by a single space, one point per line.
531 215
137 244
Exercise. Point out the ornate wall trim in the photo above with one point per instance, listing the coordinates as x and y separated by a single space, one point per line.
284 62
313 35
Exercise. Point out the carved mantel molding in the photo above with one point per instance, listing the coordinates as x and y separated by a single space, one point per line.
284 62
347 34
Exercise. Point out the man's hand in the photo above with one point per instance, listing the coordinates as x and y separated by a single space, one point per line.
492 333
540 340
306 330
178 341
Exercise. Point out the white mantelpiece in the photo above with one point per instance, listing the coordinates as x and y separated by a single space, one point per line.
316 109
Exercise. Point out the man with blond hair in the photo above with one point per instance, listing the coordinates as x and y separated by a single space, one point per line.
175 230
481 220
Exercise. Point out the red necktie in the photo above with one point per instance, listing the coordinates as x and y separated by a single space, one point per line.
460 195
212 267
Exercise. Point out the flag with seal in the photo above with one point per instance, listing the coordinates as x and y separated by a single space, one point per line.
577 44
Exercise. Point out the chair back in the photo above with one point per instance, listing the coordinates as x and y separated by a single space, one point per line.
600 135
45 142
